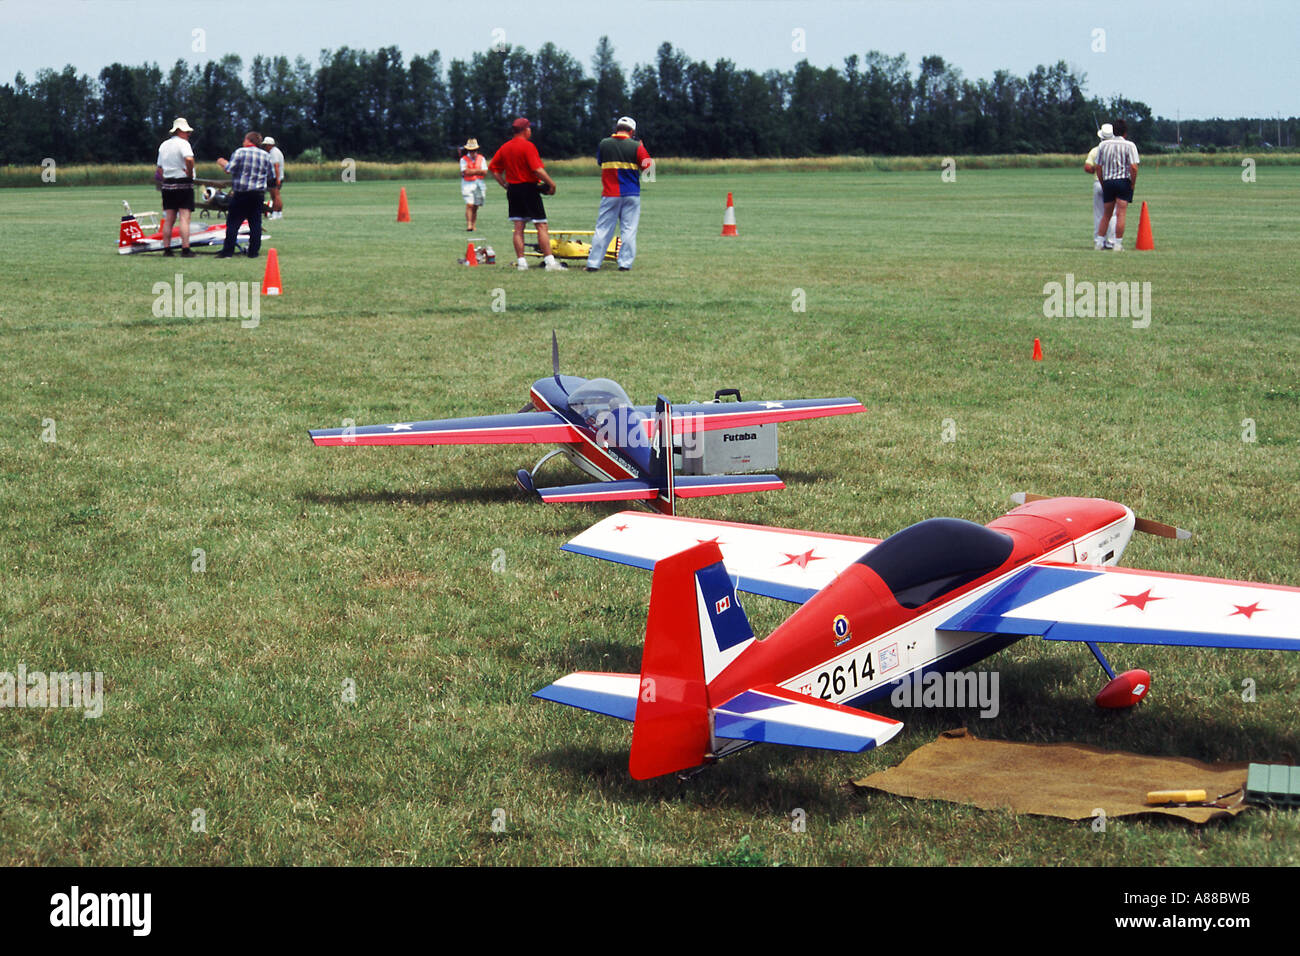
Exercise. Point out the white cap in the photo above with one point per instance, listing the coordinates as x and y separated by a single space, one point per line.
181 125
268 141
627 121
1106 131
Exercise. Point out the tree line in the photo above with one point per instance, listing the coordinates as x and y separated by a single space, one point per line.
375 105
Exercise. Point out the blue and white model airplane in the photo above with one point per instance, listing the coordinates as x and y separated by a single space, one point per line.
627 448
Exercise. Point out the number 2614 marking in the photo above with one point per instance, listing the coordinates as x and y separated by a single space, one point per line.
834 682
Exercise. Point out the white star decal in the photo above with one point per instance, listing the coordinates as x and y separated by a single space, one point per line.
774 405
400 428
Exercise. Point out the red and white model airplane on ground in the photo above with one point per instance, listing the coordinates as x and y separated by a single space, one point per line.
131 237
936 596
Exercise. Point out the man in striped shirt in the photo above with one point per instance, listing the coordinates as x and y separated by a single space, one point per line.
1099 204
250 170
1117 170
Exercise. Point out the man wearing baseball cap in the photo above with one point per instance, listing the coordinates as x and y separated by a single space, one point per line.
621 160
176 174
518 168
276 182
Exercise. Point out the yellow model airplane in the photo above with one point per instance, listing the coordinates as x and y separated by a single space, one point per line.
569 244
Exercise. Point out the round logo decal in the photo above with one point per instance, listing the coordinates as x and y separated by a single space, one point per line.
841 628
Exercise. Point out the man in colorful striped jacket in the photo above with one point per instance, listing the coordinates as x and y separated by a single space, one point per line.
621 160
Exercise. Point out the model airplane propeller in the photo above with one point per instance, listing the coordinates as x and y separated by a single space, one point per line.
935 597
627 448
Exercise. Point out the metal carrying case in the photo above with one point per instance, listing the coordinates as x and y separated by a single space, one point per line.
727 451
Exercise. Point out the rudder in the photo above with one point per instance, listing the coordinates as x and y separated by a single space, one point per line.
683 652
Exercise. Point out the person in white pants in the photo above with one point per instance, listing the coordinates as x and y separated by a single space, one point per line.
1098 204
622 159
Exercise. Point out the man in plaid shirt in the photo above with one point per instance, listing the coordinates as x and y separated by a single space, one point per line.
250 170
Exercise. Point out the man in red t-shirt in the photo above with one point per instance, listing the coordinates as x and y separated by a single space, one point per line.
518 168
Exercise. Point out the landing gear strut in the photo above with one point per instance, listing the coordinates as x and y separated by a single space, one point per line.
525 477
1123 690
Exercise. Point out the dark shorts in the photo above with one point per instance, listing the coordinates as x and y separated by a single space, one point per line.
177 196
1112 189
525 202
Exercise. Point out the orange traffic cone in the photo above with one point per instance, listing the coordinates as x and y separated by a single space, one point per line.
471 255
1038 351
271 278
403 211
729 219
1145 241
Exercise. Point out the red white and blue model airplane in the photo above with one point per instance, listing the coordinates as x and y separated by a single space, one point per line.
934 597
627 448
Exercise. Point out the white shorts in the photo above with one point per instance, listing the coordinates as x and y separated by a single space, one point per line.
474 191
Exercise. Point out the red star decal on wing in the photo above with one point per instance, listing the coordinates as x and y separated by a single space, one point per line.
713 540
1246 610
620 527
800 559
1139 601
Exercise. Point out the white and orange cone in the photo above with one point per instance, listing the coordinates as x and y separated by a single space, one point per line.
729 219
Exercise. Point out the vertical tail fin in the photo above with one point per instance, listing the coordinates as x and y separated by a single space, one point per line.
695 629
661 461
129 232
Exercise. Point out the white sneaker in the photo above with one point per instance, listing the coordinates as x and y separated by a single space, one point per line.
1118 245
522 264
555 265
1098 242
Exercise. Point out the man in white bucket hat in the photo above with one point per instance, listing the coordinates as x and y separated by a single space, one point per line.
175 175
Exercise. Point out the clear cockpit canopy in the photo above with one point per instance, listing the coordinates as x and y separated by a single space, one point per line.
593 399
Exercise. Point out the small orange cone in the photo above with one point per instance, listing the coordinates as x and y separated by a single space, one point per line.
403 211
1145 241
271 278
471 255
1038 351
729 219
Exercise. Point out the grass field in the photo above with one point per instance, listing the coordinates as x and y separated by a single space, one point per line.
373 567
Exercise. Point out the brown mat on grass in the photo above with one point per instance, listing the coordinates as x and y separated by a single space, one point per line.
1055 780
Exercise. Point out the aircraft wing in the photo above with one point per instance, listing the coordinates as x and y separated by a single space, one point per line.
774 715
774 562
709 416
1063 602
522 428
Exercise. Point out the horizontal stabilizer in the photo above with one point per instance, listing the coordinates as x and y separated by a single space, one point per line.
613 695
704 486
774 715
629 489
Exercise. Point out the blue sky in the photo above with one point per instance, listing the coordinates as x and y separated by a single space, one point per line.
1201 57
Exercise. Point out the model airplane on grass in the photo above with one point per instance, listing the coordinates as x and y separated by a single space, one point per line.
131 237
936 596
217 195
570 244
627 448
